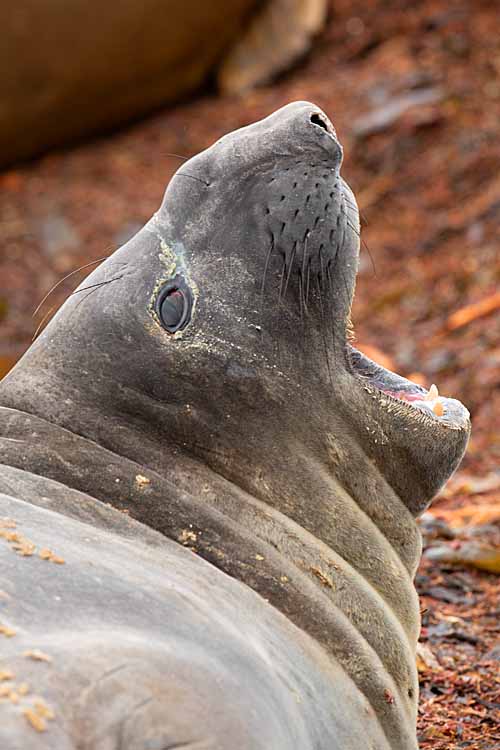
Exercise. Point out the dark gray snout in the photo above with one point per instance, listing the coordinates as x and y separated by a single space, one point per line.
306 123
318 119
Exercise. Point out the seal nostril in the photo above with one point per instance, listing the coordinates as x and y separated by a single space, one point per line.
316 119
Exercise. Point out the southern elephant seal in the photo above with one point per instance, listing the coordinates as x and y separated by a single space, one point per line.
201 380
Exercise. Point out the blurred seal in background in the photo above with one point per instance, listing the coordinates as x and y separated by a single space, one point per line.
68 70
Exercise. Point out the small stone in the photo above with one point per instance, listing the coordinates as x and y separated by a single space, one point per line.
37 655
186 536
10 536
47 554
7 523
57 560
36 721
43 710
6 631
23 547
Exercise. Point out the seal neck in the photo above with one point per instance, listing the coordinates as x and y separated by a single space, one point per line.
325 583
324 486
304 519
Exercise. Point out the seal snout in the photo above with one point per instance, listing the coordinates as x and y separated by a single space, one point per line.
295 129
318 125
313 127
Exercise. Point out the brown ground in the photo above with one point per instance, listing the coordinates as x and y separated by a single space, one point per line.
414 91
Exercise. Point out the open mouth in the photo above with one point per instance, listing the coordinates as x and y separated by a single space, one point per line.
431 400
395 388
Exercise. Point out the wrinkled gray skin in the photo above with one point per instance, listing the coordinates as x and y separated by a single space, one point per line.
275 608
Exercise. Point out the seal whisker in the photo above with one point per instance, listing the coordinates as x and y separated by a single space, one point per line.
292 258
331 284
354 208
352 204
345 287
192 177
370 256
266 265
96 286
339 248
321 269
283 271
82 299
329 276
304 267
178 156
308 280
93 288
323 327
340 243
332 327
354 232
39 326
358 234
92 262
349 203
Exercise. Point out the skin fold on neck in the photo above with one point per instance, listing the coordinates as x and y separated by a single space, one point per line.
315 545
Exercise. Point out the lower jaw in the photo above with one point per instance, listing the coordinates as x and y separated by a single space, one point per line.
430 400
396 387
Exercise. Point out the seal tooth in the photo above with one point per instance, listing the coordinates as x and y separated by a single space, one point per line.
432 394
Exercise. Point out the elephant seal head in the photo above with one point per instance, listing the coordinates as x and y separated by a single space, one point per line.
228 317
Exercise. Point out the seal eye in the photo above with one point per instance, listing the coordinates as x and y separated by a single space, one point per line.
174 305
172 309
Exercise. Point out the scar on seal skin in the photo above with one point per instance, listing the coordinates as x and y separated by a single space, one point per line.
257 592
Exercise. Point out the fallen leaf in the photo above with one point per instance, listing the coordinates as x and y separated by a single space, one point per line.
469 313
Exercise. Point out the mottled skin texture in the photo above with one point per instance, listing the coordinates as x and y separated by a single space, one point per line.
267 449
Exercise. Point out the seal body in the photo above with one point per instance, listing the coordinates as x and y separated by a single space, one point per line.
256 588
135 640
